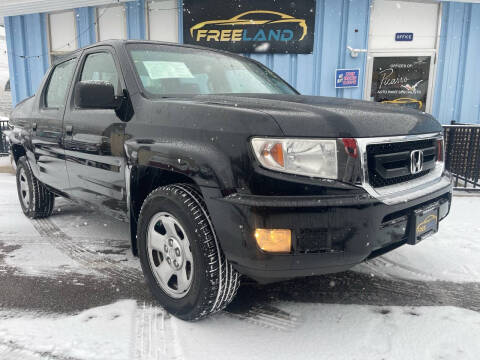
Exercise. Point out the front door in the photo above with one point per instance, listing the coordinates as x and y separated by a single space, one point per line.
401 61
94 140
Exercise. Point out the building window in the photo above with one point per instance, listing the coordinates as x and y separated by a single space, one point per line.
111 22
62 33
163 20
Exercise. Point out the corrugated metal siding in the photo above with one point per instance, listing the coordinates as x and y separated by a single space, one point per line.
27 53
28 56
180 21
457 93
135 12
338 23
86 33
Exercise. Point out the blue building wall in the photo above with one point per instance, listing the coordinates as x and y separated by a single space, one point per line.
457 90
338 23
86 22
27 53
135 13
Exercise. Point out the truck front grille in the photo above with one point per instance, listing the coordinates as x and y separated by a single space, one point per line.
389 163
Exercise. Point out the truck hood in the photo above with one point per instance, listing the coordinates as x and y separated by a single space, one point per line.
318 116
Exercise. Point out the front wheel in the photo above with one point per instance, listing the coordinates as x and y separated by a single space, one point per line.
36 200
180 255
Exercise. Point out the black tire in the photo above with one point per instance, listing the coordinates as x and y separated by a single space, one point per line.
40 200
214 282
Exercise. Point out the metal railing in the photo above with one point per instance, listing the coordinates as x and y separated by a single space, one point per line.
3 138
462 155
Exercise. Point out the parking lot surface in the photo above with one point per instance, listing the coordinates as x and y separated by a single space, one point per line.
71 289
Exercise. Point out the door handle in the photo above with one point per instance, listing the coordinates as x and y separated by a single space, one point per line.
69 129
34 126
354 52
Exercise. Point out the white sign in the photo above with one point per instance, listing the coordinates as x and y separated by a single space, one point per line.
167 69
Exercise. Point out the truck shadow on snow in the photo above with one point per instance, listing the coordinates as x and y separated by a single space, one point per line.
359 289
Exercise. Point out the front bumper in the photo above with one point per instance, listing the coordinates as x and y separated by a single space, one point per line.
330 233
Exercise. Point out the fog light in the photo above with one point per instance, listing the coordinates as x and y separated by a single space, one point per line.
274 240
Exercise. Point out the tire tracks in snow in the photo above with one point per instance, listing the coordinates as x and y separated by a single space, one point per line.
262 315
10 350
268 317
348 288
372 265
156 336
84 256
154 328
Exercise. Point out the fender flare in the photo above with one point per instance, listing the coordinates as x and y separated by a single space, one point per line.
204 163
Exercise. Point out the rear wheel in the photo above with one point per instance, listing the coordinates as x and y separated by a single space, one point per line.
36 200
180 255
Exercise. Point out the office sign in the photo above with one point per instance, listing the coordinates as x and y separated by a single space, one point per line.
404 37
401 80
347 78
250 26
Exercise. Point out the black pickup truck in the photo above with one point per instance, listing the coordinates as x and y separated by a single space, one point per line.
222 169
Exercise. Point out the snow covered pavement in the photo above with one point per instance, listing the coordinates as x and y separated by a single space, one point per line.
70 289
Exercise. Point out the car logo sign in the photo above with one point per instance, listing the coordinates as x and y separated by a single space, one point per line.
416 161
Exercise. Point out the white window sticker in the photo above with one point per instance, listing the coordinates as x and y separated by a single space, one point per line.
167 69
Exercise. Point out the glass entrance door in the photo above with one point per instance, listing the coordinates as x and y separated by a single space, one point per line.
402 47
401 79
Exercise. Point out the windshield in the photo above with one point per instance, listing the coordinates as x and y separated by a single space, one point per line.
172 70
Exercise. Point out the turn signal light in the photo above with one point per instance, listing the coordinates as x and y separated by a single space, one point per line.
274 240
275 152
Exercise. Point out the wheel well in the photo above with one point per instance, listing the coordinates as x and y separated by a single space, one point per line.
143 181
18 151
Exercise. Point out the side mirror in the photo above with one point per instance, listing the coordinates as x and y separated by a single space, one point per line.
95 94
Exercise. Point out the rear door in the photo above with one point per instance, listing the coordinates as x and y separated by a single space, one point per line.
47 126
94 139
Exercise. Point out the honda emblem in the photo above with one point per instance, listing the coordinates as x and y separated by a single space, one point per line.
416 161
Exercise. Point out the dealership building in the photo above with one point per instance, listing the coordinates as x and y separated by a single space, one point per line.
420 54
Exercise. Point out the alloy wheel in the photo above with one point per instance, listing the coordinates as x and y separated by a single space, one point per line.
170 255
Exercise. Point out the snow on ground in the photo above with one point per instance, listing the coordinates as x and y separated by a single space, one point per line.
36 255
97 334
340 332
328 332
453 254
356 317
4 160
33 255
40 259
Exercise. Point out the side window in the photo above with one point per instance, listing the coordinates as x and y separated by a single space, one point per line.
58 85
101 66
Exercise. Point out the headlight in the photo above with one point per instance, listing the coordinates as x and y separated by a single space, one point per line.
315 158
